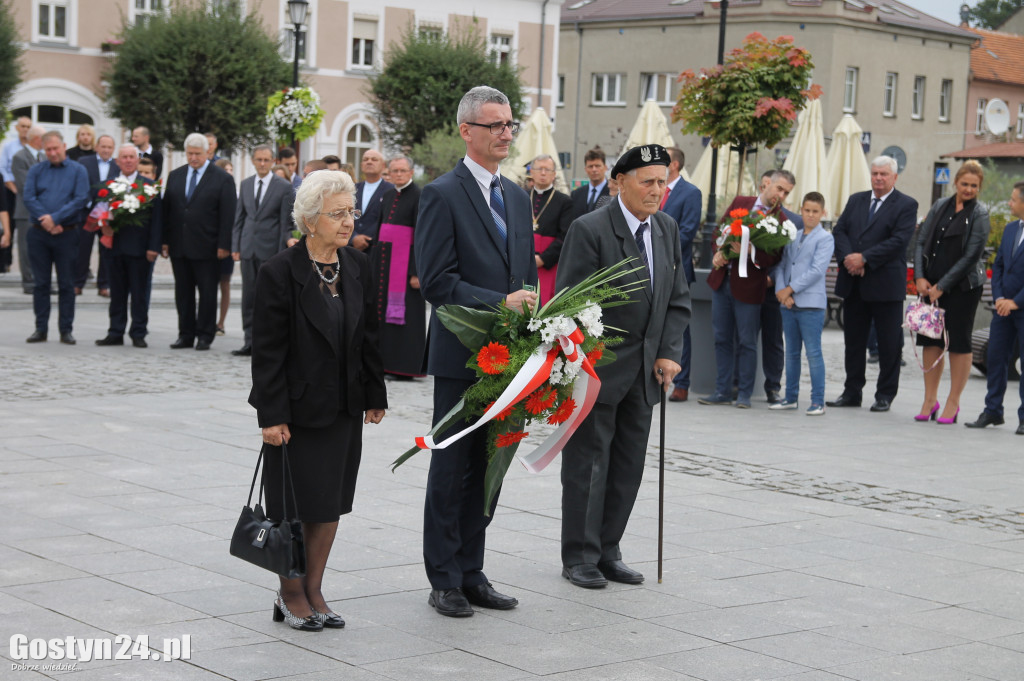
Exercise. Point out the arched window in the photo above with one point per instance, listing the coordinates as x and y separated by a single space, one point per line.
358 140
55 117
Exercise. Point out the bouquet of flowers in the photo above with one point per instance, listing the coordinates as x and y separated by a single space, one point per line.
536 367
122 204
764 232
294 111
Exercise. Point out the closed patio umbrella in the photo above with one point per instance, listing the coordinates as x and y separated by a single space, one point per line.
533 140
806 157
847 165
651 127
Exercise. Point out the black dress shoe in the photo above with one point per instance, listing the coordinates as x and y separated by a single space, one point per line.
844 400
986 418
1020 429
181 343
244 351
774 397
330 620
36 337
881 404
484 596
586 575
67 339
450 603
140 342
111 340
203 345
617 571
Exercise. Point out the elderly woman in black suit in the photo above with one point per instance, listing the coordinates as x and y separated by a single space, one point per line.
317 378
950 271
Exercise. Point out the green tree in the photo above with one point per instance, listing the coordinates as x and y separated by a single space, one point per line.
10 61
425 76
439 152
197 70
991 13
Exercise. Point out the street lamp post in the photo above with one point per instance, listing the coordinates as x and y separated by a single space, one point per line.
297 11
711 218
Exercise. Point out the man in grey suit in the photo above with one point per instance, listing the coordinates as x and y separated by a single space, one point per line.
603 462
24 159
263 225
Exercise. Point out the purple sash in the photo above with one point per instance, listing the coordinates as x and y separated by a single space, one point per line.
400 238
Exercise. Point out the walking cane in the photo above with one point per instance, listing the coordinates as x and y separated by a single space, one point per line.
661 480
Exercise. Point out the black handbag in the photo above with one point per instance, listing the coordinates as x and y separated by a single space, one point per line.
277 547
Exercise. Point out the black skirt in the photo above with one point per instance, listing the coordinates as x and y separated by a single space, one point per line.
324 463
960 307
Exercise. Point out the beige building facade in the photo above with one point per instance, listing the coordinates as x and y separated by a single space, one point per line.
69 44
902 74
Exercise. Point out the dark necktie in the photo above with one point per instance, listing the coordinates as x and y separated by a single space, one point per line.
498 208
593 198
191 185
259 193
642 247
1016 248
874 207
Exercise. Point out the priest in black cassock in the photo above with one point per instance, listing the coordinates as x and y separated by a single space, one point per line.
400 306
552 215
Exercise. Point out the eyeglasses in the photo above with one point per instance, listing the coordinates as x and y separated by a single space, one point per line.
344 214
499 127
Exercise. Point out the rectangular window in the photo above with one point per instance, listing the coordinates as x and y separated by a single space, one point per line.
501 48
657 86
850 90
917 106
561 89
889 95
945 100
431 31
607 89
288 45
1020 121
53 20
364 33
142 10
979 118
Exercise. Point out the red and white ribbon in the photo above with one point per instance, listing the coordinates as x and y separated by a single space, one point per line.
745 250
534 373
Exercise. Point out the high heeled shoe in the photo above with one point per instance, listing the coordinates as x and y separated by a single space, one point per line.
930 416
947 422
283 614
330 620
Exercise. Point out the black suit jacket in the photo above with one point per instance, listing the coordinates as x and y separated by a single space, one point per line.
581 195
369 223
462 260
554 220
92 169
196 228
882 241
296 360
135 241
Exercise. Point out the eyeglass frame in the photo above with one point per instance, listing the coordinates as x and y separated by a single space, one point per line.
337 216
513 127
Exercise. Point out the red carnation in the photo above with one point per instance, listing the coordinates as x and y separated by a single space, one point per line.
540 400
142 199
115 204
134 185
564 411
739 213
596 353
492 358
736 228
101 193
508 439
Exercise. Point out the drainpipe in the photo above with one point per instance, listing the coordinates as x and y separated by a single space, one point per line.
579 82
540 82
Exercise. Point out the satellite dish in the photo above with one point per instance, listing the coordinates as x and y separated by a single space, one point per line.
997 117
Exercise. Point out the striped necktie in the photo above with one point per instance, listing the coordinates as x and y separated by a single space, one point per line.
498 208
643 247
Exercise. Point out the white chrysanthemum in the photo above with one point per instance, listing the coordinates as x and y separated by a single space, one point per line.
150 190
590 319
131 204
790 229
556 376
533 324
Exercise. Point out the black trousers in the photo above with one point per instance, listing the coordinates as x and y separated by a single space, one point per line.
250 268
130 275
773 356
454 523
85 242
602 466
191 276
887 316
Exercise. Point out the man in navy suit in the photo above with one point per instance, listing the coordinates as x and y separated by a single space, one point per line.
369 193
682 201
135 249
198 216
871 248
1008 321
100 167
474 247
584 198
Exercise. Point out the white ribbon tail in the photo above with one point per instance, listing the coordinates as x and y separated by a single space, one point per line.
744 250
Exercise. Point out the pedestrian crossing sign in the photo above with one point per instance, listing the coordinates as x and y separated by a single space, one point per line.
942 176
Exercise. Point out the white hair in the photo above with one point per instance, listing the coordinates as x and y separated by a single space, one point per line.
886 161
127 145
314 190
197 140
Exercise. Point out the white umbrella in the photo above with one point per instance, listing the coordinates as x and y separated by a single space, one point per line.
533 140
651 127
728 173
848 170
806 157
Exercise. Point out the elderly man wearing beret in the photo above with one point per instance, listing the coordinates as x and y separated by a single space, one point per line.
603 462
